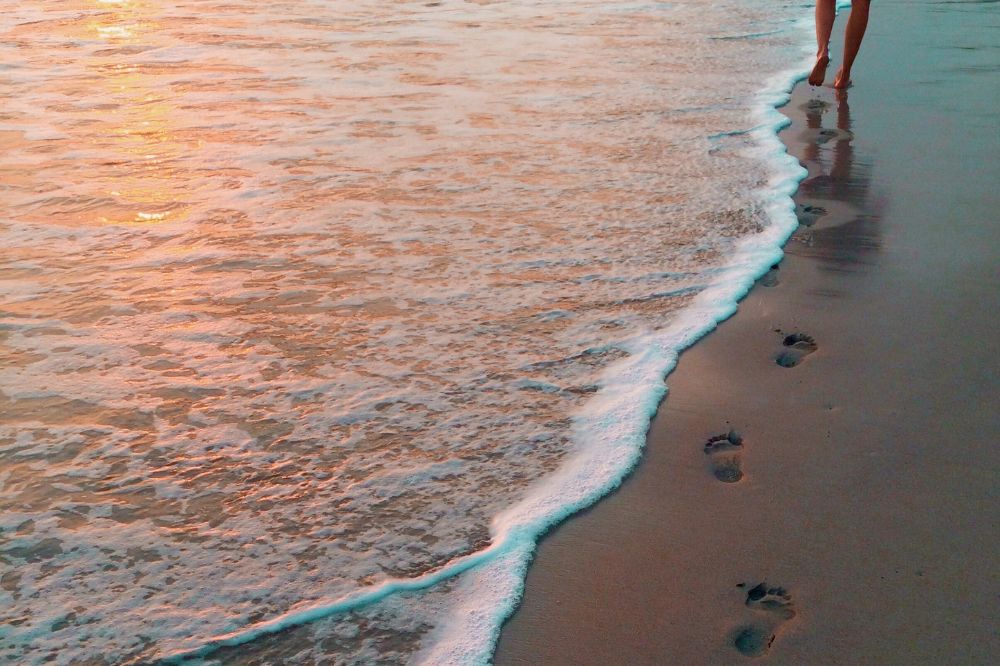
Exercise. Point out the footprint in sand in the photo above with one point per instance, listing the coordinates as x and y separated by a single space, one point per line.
815 105
725 452
797 347
823 135
772 607
809 214
770 278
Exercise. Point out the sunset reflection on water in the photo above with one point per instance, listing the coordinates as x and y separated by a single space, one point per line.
145 183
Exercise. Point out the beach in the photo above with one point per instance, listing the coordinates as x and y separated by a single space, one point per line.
316 316
867 505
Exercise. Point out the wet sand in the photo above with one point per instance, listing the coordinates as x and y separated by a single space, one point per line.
861 484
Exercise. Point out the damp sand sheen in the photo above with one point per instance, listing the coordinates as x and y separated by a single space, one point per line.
316 314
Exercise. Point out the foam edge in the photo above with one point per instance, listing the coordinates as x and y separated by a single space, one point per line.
612 433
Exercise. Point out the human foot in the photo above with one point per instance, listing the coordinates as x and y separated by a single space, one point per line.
843 80
819 71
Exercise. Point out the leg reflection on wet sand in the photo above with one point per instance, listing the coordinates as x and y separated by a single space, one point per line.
839 219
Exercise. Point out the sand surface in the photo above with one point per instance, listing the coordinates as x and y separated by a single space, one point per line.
869 489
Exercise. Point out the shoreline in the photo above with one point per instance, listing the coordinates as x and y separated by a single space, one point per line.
824 442
470 634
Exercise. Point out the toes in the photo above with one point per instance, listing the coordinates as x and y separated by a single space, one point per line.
757 593
728 442
774 600
801 341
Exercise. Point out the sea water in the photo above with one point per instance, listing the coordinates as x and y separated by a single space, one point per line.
315 314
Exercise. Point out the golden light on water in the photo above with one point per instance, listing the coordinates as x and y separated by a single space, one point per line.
146 183
113 143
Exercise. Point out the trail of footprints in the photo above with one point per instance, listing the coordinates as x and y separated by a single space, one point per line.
770 607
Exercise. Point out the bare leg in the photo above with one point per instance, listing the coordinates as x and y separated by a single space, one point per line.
855 32
826 11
